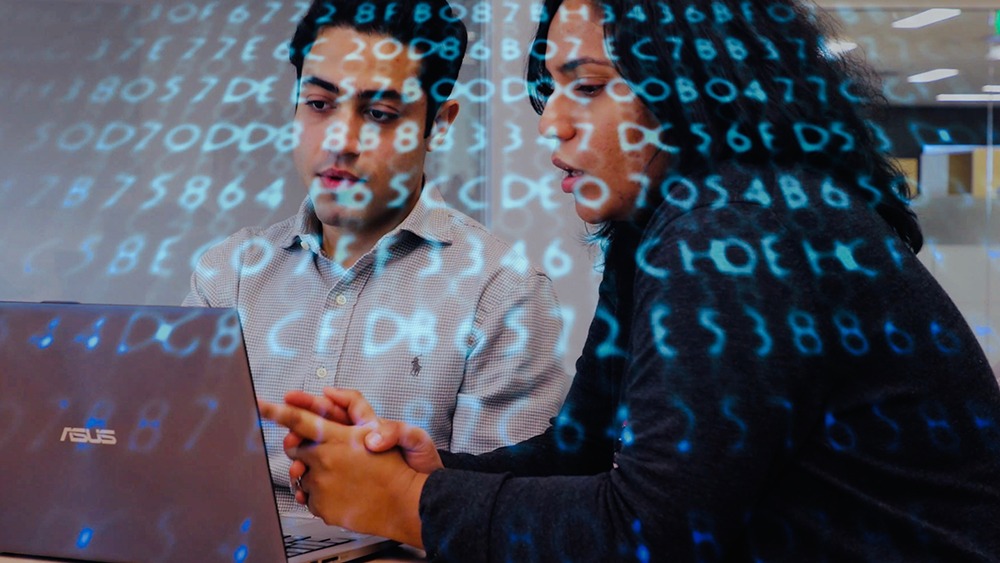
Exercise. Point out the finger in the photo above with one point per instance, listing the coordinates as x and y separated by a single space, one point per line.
302 496
306 454
415 438
304 423
384 437
319 405
298 469
292 440
301 485
390 433
358 408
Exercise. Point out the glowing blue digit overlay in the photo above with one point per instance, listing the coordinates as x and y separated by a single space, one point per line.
92 340
83 540
692 245
44 340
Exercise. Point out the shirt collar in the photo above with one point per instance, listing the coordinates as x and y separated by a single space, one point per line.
305 226
429 219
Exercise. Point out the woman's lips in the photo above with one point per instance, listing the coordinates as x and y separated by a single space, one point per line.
573 175
570 181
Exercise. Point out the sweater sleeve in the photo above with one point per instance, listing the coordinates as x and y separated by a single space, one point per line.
707 411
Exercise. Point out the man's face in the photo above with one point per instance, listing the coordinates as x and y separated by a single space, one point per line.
362 112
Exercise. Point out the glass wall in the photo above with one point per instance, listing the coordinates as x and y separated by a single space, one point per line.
938 68
135 135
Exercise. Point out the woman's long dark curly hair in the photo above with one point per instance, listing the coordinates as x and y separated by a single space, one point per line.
749 82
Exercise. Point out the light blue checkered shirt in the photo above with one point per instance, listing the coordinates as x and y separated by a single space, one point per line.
441 324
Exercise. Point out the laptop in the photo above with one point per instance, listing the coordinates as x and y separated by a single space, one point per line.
131 434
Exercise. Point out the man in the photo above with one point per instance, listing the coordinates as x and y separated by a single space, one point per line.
375 285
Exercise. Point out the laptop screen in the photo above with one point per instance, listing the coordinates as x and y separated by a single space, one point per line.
131 434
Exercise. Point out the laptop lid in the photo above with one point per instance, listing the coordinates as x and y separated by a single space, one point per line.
131 434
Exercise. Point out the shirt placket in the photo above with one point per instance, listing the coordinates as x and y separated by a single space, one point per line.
341 301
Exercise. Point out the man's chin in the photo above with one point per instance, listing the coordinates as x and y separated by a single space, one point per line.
333 215
323 198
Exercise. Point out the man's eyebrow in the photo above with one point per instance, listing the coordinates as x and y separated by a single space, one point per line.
376 95
328 86
368 95
570 66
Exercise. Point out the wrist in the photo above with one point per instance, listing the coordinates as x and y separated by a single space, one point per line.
407 528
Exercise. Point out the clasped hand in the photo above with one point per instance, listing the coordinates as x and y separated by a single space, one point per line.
356 470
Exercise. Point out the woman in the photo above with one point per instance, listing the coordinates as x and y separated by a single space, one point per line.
771 374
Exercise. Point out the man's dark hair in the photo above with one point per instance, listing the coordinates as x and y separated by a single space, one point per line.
428 27
748 82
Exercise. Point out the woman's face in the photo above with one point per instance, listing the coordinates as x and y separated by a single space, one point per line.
601 125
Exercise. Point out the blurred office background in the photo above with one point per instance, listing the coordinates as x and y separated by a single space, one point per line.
133 135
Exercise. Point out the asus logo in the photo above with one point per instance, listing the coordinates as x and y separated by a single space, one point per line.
82 435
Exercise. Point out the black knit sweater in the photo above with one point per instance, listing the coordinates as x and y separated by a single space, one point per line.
776 377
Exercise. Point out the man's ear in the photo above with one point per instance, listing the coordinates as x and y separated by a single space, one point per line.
443 121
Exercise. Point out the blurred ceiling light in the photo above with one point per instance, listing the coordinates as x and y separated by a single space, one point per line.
967 98
926 18
992 88
933 75
833 48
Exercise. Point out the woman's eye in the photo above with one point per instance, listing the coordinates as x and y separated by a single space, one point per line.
590 90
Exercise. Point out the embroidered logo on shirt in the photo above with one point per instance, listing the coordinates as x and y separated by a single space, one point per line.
415 370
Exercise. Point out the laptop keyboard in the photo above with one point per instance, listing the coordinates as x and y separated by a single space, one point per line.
297 545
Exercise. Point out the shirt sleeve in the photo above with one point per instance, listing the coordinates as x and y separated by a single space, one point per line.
215 281
514 382
700 408
577 440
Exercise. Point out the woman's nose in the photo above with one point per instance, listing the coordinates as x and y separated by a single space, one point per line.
556 122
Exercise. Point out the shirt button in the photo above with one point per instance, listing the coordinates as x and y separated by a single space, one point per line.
305 245
321 373
341 299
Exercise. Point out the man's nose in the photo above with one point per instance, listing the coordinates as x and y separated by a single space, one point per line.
343 137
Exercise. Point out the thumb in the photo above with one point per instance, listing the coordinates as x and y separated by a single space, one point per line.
414 438
383 437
